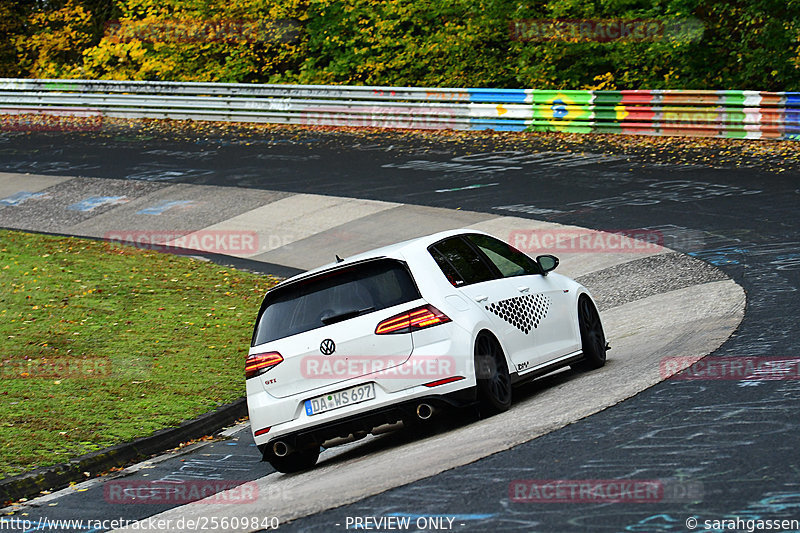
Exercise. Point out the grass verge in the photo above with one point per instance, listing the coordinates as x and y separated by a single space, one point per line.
103 343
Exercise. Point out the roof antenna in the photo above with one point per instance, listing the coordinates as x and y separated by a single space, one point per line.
338 259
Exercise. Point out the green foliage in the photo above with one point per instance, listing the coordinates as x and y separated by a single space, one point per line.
407 42
744 45
730 44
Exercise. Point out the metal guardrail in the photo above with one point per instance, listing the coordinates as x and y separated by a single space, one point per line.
733 114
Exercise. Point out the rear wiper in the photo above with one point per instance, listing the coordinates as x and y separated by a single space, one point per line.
332 319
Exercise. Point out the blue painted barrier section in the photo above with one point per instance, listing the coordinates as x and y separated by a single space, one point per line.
792 113
494 96
498 125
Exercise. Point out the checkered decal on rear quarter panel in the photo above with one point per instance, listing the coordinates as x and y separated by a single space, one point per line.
523 312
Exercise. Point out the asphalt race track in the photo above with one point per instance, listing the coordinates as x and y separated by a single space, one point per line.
720 448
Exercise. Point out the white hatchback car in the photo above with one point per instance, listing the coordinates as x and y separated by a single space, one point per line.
450 319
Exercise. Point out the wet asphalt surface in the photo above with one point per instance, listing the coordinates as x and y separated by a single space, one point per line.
724 448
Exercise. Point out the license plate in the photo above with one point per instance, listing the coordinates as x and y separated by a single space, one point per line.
342 398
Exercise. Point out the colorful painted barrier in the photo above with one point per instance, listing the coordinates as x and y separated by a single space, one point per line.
730 114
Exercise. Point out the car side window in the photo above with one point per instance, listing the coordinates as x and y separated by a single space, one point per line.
448 270
508 260
460 263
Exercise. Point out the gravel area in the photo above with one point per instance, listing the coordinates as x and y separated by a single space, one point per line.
645 277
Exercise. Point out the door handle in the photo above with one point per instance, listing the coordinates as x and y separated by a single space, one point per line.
523 289
481 298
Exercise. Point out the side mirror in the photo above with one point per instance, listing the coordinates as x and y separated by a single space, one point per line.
547 263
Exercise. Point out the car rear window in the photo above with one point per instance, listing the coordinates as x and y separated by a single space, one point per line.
333 297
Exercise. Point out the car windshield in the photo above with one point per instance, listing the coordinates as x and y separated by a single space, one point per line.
333 297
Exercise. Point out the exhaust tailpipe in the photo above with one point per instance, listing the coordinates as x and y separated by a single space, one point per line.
281 449
424 411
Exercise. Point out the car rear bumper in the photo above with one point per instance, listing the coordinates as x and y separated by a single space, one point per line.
286 417
440 353
367 421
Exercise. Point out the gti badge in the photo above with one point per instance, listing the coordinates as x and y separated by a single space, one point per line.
327 347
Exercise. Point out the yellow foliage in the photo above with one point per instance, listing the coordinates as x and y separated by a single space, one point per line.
602 82
238 40
53 51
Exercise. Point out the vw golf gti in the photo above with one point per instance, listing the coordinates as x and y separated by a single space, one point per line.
447 320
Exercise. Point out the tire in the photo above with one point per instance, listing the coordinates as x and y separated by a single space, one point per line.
593 339
493 379
296 461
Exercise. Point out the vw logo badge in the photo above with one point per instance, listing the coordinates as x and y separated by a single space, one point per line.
327 347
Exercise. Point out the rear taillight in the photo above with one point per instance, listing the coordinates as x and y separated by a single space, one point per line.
419 318
260 362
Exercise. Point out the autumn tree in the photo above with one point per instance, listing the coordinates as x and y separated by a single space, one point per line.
13 19
53 47
699 44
